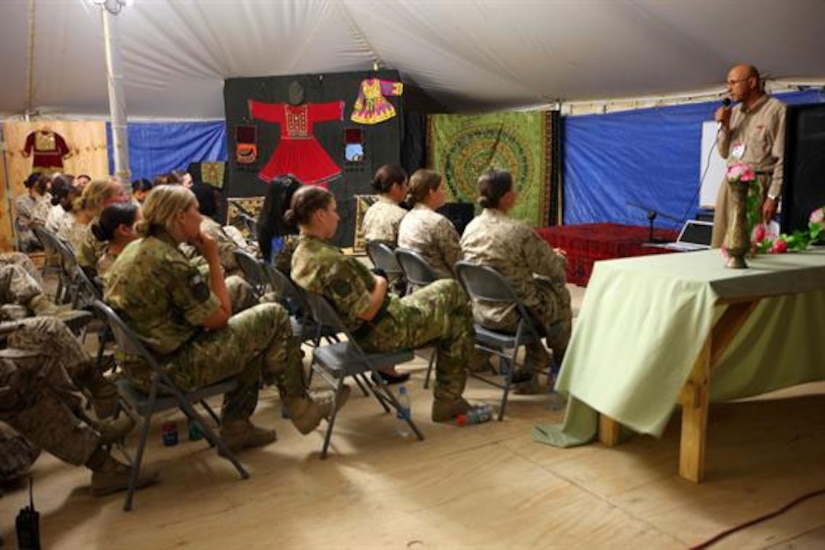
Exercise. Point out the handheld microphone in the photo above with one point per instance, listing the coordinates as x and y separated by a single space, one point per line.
725 104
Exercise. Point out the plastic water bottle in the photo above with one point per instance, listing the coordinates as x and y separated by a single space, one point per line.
404 413
476 415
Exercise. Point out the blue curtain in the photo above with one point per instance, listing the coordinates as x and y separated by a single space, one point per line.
648 157
158 147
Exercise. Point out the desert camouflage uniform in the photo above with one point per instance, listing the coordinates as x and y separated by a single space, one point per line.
17 286
38 400
382 220
433 236
17 454
22 260
536 273
438 314
165 300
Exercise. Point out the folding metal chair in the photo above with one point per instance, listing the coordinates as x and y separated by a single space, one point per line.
419 274
253 271
56 248
382 256
486 284
163 395
334 362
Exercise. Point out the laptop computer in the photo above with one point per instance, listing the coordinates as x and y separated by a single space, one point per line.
695 235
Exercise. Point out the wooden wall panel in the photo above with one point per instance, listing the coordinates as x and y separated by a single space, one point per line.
86 139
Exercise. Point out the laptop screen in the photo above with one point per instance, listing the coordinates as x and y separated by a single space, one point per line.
696 232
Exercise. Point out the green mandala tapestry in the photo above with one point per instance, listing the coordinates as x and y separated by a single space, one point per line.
461 147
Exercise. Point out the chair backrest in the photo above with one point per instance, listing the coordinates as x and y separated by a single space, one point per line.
381 255
324 313
92 289
415 267
289 290
485 283
251 225
126 339
252 269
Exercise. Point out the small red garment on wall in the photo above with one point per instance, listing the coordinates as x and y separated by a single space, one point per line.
298 152
48 147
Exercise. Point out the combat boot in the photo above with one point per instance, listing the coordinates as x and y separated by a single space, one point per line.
307 412
113 476
115 430
444 410
241 434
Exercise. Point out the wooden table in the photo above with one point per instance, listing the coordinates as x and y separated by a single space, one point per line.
655 331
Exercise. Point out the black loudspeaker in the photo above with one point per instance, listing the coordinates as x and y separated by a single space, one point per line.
804 188
460 213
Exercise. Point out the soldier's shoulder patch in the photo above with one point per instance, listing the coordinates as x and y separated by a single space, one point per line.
200 289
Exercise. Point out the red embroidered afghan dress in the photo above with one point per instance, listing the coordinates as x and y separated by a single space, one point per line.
49 148
298 151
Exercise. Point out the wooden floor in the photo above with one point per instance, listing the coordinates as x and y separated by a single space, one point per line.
487 486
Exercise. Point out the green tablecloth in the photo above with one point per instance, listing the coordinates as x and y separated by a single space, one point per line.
644 320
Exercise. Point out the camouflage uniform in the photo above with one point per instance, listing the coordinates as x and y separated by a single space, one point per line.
17 454
22 260
513 248
433 236
17 286
438 314
382 220
51 337
89 250
165 299
283 259
37 399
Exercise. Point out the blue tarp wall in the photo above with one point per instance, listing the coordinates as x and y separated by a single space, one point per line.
159 147
649 157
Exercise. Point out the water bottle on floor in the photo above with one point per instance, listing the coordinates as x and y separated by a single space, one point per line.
404 413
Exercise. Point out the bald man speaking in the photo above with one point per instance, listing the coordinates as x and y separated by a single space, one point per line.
753 132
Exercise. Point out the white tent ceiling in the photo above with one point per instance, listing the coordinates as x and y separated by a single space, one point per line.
466 54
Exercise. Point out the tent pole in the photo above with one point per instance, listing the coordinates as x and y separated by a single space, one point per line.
117 100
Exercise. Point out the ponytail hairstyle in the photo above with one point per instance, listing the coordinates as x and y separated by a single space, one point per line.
387 176
492 185
305 202
271 221
96 193
112 217
421 183
161 207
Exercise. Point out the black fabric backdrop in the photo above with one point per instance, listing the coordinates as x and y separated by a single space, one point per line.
382 141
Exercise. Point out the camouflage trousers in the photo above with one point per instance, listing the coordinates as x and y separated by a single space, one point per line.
17 286
22 260
241 296
51 337
438 314
17 454
256 343
553 316
38 400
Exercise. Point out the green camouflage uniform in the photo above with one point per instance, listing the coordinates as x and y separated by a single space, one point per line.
37 399
433 236
165 300
382 220
520 255
89 250
438 314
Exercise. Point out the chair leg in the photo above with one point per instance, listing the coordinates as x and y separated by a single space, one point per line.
214 416
361 385
144 435
212 438
511 364
331 420
430 369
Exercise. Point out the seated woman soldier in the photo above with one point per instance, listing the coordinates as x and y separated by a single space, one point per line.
536 272
187 321
438 314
